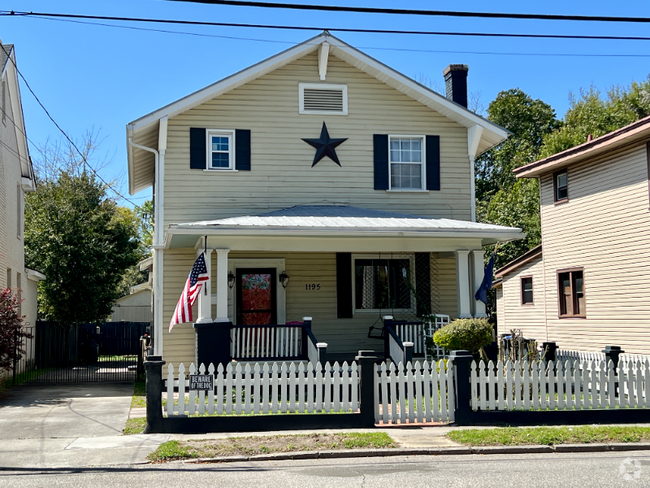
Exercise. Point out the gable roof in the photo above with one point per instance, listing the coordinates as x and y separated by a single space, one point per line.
630 134
146 128
532 255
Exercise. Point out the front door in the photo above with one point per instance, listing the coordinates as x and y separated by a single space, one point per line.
256 296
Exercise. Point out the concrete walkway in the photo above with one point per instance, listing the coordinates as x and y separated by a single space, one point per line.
70 425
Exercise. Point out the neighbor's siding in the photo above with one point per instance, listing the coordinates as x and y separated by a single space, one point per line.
344 336
282 175
604 228
133 308
512 314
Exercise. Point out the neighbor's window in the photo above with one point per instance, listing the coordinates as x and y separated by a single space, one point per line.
406 158
571 289
382 284
560 186
221 153
526 290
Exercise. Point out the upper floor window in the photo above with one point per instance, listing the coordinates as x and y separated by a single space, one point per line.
560 186
406 162
323 98
526 290
221 150
571 291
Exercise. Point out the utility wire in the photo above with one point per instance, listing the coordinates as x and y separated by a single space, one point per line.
72 143
435 13
273 41
336 29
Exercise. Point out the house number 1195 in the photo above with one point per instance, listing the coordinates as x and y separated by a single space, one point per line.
312 286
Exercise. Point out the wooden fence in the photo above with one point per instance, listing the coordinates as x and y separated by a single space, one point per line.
420 392
265 388
566 385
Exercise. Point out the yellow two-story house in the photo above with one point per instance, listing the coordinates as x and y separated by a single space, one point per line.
317 183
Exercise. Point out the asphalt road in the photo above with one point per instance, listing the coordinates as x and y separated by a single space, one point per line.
593 470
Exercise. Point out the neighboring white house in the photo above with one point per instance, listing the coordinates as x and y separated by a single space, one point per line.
135 307
588 285
318 182
16 178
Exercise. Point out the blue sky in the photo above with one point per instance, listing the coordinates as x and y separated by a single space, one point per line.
92 76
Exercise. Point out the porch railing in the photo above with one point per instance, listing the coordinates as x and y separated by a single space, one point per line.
273 342
418 332
394 348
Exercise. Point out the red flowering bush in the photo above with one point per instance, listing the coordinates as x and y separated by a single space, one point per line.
12 332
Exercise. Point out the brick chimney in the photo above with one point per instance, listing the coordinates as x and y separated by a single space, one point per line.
456 83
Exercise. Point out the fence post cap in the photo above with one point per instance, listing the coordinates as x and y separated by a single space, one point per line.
613 349
321 345
460 354
307 319
387 317
408 344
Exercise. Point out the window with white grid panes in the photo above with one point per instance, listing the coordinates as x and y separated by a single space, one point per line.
406 158
221 153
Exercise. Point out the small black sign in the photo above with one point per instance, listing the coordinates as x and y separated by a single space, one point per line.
201 382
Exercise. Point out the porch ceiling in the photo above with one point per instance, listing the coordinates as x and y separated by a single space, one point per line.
333 223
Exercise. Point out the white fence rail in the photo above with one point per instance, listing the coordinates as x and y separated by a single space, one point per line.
412 332
265 388
419 392
265 342
566 385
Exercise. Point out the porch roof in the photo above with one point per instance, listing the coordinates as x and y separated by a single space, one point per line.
338 220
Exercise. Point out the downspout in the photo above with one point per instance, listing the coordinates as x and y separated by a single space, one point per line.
158 245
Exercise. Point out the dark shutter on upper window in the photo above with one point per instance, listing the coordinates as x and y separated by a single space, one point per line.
433 162
198 151
243 150
423 283
380 142
344 285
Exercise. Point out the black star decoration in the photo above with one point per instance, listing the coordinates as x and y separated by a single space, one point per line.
325 146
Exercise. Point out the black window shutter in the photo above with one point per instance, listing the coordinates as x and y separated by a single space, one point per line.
423 283
344 285
198 153
380 142
433 162
243 150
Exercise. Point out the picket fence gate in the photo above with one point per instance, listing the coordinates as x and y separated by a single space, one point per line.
419 392
265 388
566 385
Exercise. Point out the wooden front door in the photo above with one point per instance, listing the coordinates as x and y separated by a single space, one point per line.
256 296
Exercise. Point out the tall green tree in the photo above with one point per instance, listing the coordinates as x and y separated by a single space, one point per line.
83 242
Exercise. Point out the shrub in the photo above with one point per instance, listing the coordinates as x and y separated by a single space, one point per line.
12 332
470 334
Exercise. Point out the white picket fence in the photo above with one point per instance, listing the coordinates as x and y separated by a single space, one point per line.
265 388
567 385
419 392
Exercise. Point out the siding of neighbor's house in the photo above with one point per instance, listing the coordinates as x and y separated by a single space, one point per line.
604 228
342 335
511 314
133 308
282 175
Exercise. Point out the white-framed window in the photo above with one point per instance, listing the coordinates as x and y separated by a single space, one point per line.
406 156
383 283
221 150
323 98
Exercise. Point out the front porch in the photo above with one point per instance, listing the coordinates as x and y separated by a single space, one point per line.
345 274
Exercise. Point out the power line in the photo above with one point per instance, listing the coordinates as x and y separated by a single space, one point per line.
72 143
336 29
486 53
434 13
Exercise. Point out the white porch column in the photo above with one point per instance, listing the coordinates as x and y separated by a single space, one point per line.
222 285
205 297
478 271
462 284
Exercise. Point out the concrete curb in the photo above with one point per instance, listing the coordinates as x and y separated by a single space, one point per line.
438 451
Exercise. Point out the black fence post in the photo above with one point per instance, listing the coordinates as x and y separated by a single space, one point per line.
306 325
366 360
154 387
613 353
550 351
461 360
388 323
408 352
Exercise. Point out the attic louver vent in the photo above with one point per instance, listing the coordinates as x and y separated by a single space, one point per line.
323 99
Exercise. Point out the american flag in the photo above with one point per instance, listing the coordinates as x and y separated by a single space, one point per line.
198 275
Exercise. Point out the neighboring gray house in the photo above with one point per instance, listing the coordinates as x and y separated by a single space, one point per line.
135 307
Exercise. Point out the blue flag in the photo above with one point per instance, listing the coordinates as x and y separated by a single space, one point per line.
481 293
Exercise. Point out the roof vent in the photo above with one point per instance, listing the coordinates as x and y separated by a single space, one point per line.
320 98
